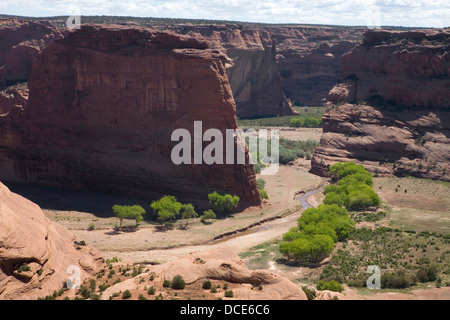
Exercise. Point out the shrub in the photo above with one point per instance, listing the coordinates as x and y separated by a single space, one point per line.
331 285
178 283
263 194
91 226
126 294
426 274
141 297
397 280
208 214
85 293
206 284
229 294
306 122
151 290
166 283
261 183
24 267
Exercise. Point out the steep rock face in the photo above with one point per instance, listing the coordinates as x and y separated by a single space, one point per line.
391 111
103 104
310 59
28 238
21 41
254 77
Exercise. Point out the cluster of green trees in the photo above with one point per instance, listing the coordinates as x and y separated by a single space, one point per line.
317 231
331 285
354 187
306 122
168 209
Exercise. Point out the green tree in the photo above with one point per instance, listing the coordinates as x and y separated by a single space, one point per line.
128 212
263 194
223 202
333 198
308 248
188 212
167 208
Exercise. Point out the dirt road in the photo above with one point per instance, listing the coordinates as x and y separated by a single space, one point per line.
238 242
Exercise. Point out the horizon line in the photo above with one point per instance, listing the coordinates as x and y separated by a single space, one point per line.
223 21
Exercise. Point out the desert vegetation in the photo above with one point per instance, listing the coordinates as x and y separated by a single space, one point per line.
318 229
128 212
354 187
308 117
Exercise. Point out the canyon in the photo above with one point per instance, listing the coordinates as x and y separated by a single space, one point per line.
390 111
107 126
270 68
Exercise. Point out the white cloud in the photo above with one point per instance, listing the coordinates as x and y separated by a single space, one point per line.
351 12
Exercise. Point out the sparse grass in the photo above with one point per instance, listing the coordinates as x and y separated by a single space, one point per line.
284 121
392 250
258 257
423 207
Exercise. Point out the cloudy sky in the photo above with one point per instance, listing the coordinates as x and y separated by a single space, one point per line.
412 13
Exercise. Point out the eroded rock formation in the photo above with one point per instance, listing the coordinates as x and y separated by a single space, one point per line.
35 252
254 76
310 59
391 111
103 104
217 264
21 41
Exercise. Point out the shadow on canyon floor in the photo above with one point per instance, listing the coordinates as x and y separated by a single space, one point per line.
63 199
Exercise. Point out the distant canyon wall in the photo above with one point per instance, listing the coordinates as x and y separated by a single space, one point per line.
103 103
20 43
391 111
270 69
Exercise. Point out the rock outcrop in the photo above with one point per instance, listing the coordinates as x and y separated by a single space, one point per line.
21 41
216 264
391 110
35 252
103 104
309 59
254 76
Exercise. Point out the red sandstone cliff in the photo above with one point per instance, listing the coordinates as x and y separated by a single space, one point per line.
391 111
309 59
254 76
103 104
29 239
20 43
